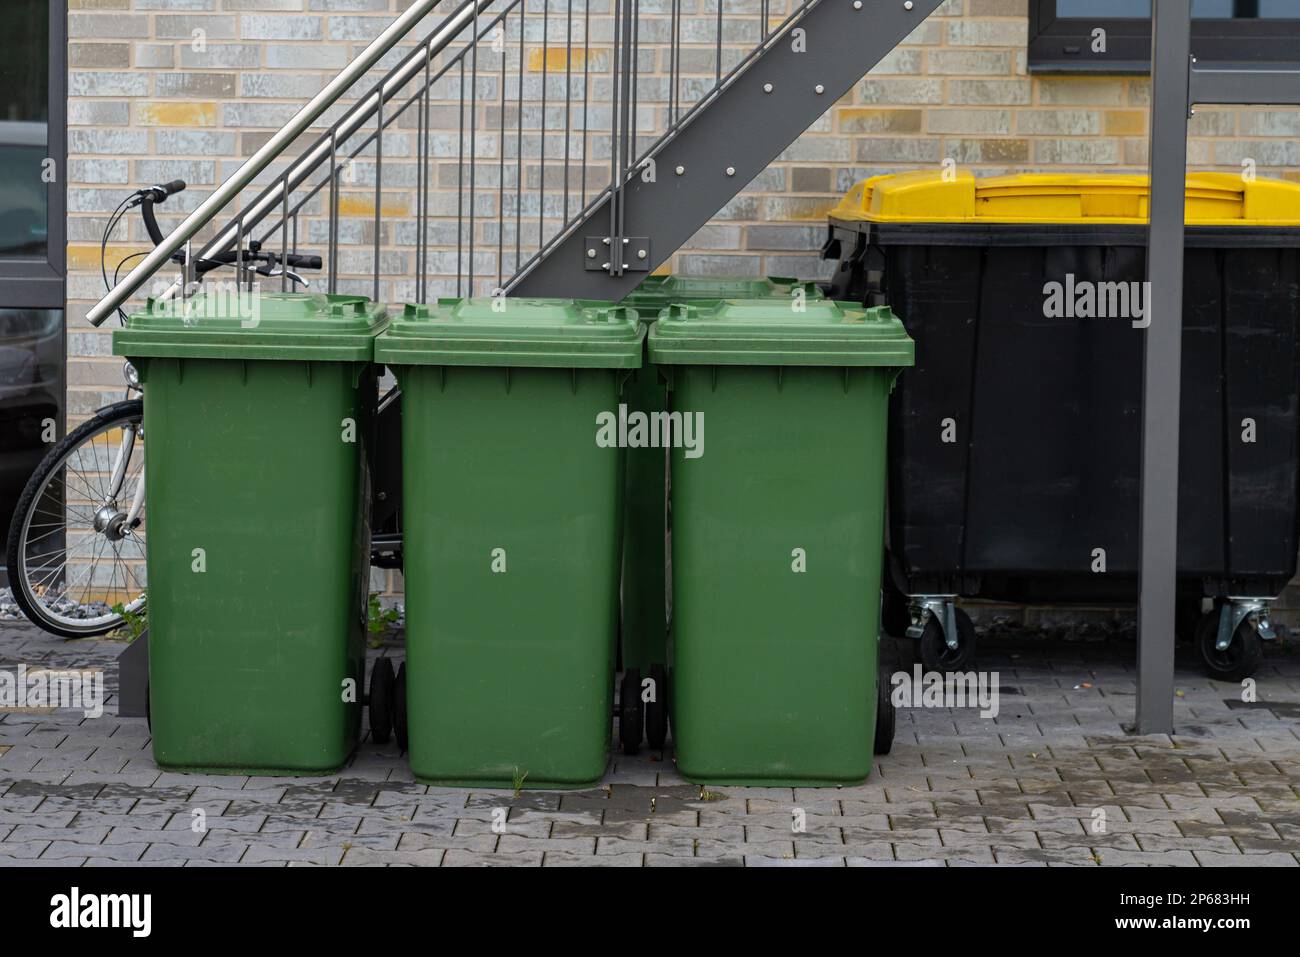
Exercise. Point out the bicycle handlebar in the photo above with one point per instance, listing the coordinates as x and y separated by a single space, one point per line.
153 195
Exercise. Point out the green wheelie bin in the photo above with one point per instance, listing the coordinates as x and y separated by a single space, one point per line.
777 535
644 607
258 416
512 493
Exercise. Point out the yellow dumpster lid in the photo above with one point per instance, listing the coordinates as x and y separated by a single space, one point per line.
933 196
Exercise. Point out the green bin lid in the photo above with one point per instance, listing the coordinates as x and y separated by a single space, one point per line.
656 292
761 332
254 325
558 333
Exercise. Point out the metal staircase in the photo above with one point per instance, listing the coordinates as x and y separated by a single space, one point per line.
533 147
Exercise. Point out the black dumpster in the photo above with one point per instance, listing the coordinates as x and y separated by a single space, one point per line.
1015 440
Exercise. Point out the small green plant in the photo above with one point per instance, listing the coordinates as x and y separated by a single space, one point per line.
378 620
707 795
133 623
517 780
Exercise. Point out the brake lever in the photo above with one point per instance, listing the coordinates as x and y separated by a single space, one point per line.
271 271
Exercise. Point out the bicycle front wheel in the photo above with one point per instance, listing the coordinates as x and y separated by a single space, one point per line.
76 556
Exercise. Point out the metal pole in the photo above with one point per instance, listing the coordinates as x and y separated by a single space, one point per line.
263 158
1171 22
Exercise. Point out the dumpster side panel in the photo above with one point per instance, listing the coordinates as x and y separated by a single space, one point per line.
772 666
252 637
1261 294
512 562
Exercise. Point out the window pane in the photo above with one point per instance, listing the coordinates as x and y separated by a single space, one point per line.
1206 9
31 384
24 112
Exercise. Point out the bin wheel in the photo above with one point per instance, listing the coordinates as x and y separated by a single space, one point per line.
884 715
399 708
934 650
656 712
382 684
629 711
1236 662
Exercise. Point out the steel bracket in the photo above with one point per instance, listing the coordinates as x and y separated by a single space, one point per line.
597 258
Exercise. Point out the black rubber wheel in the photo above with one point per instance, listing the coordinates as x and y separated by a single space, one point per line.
885 716
934 650
656 712
113 416
383 683
1236 662
629 711
399 708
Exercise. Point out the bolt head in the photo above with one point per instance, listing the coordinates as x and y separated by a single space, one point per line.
731 171
591 254
640 254
819 89
767 87
681 170
857 4
907 5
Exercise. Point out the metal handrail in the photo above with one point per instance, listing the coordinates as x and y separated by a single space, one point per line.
263 158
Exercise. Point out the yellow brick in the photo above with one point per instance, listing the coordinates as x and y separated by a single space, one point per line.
1125 122
352 205
555 57
176 114
84 257
879 121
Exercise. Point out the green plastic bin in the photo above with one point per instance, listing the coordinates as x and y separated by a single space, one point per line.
777 536
511 509
644 589
258 416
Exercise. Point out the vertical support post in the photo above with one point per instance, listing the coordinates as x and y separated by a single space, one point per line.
1162 379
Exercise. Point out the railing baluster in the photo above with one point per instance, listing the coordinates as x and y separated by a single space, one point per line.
422 118
379 195
473 143
284 242
586 61
568 99
334 211
541 126
501 159
460 178
519 141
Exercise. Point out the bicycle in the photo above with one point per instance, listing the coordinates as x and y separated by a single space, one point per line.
85 503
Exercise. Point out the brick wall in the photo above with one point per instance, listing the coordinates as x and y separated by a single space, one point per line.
145 106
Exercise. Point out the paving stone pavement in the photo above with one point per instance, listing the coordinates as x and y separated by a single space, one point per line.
1054 779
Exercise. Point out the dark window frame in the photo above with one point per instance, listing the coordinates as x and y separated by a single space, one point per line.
1128 42
40 282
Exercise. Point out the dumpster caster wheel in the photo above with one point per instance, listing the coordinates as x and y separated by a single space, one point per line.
934 650
629 711
884 716
399 708
656 712
382 683
1236 662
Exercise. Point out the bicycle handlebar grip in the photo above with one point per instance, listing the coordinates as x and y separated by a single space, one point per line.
160 192
304 262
